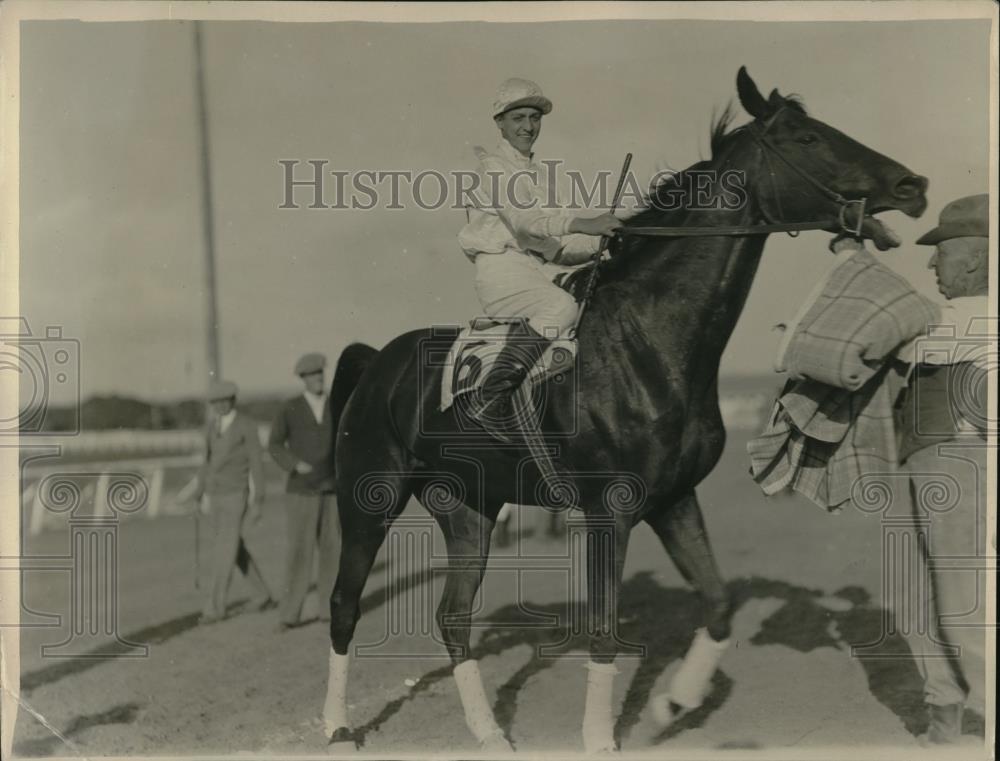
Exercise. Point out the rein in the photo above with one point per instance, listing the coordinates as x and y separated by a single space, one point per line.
725 230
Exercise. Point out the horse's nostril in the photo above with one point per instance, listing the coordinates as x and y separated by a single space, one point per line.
910 186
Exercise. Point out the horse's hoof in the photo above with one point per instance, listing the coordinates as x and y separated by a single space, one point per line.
599 743
665 710
495 743
601 749
342 740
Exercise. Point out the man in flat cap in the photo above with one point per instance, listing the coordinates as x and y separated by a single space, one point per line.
301 442
520 240
941 424
232 460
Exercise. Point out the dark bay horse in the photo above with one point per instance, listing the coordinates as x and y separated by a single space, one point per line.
634 432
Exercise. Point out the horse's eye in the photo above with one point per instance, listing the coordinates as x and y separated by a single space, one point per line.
807 139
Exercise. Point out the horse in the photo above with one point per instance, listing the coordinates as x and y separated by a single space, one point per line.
636 432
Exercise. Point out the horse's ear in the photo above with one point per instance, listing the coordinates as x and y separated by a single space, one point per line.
750 96
775 100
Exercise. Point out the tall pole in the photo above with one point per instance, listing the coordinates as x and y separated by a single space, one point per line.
207 215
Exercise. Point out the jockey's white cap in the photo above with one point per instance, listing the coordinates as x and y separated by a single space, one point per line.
515 93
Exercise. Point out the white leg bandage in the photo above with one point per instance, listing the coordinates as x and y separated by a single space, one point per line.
691 682
335 708
598 725
478 713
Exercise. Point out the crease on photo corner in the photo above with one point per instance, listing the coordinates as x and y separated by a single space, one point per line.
22 703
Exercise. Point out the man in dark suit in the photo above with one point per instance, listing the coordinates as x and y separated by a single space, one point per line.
232 460
301 442
941 423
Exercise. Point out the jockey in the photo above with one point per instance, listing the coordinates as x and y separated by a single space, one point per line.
520 238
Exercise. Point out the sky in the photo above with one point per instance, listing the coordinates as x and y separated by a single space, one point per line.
111 216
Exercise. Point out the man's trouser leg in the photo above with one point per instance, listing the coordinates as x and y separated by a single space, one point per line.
913 603
226 511
329 551
959 557
301 519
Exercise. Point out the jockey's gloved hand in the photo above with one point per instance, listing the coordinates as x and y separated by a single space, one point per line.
605 224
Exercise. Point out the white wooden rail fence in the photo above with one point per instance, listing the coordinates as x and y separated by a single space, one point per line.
93 457
153 454
96 492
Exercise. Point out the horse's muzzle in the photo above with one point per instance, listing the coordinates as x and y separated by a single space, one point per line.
910 194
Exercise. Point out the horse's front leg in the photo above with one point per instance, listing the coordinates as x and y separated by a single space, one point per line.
681 529
607 542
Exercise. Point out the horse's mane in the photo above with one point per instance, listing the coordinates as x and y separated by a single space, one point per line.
721 139
660 212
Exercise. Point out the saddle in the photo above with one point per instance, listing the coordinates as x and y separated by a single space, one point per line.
475 350
478 345
467 365
575 282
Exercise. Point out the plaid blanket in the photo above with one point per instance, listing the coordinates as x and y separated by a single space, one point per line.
864 312
821 440
833 423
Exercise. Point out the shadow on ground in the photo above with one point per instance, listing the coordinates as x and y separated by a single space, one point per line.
126 713
157 634
661 621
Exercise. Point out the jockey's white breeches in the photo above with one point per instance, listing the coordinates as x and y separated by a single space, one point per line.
514 284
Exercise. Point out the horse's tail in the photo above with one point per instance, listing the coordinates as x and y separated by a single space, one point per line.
353 362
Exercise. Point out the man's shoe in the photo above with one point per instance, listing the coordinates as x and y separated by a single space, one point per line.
945 724
262 606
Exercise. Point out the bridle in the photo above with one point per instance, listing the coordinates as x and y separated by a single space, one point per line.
768 150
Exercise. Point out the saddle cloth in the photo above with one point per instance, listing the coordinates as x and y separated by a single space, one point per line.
476 349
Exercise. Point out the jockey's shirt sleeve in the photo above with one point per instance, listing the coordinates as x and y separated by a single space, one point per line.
518 205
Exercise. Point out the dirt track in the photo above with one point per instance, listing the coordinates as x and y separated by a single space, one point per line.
807 588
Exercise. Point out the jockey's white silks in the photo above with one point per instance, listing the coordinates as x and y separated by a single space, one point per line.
598 724
514 284
335 708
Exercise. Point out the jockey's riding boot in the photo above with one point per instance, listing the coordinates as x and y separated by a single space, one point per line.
522 351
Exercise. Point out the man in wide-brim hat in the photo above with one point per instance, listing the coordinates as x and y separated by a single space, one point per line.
941 426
